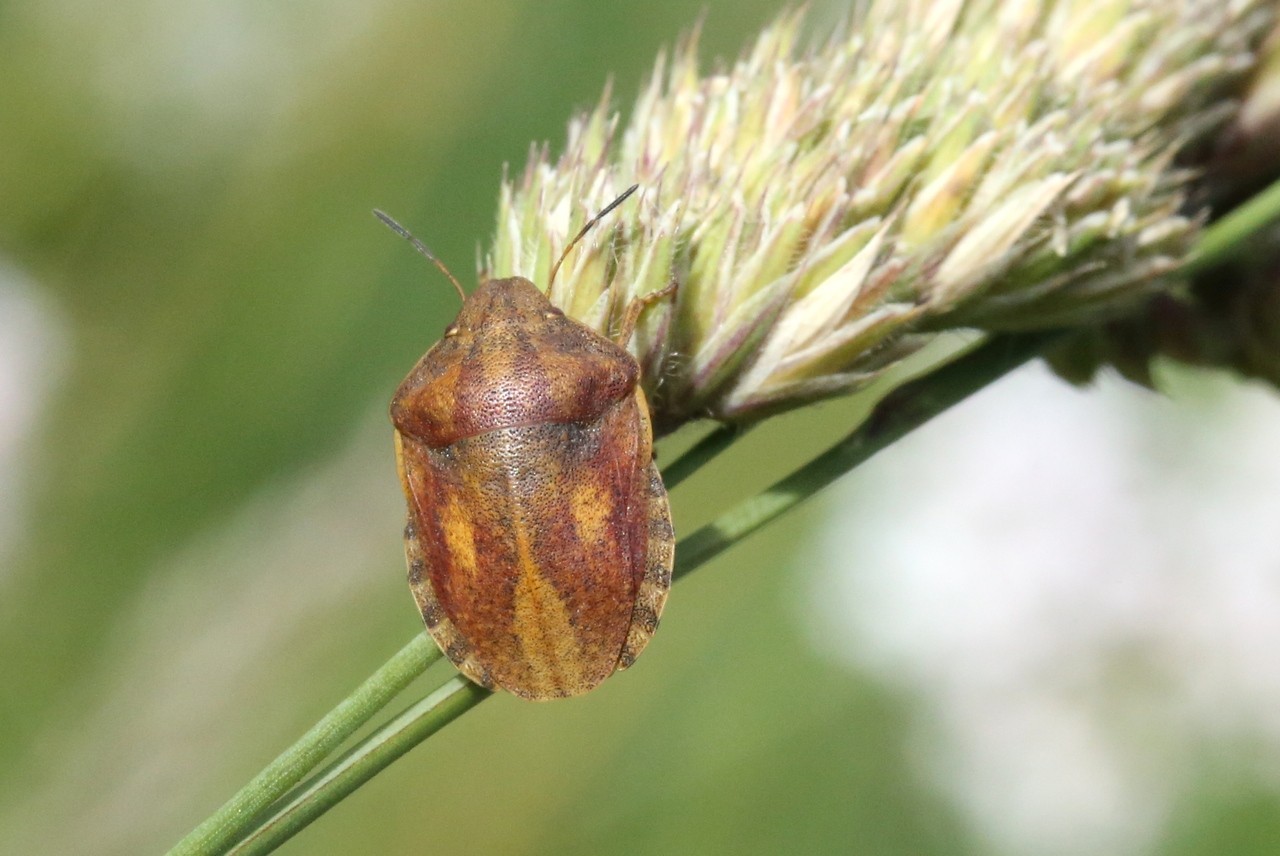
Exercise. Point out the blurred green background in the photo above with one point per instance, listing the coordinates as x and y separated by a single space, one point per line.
200 546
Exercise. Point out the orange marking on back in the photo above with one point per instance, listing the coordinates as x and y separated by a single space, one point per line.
544 628
457 525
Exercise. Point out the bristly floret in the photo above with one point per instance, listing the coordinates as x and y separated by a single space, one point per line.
934 166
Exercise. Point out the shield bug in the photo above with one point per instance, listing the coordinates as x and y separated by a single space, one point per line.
539 538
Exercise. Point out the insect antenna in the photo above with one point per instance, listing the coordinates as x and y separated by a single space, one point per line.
587 228
422 248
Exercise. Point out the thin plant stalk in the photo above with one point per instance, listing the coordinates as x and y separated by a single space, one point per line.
226 825
415 724
699 454
901 411
1229 235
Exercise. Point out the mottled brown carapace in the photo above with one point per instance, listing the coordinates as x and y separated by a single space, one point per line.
539 537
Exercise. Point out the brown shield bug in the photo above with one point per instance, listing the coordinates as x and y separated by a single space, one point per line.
539 538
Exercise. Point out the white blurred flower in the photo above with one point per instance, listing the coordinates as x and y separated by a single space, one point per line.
1081 593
